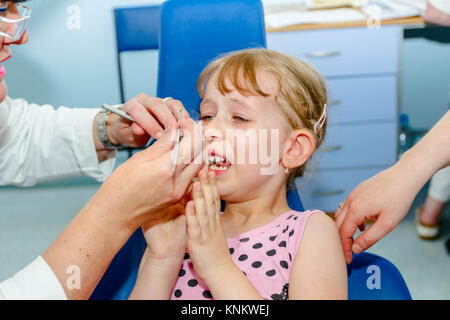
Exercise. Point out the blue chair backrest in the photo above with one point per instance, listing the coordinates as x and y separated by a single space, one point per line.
137 28
194 32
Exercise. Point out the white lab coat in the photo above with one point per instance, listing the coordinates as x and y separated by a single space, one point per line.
39 143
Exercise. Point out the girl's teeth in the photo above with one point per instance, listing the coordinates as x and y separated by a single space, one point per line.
213 159
216 167
219 159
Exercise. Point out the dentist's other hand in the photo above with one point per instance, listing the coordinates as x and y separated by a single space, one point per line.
384 198
387 196
151 115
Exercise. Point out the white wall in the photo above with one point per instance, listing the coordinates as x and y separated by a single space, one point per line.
425 88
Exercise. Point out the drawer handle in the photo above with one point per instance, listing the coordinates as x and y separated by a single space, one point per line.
323 54
334 103
326 193
331 148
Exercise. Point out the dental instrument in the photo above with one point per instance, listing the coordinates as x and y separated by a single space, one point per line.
177 143
117 110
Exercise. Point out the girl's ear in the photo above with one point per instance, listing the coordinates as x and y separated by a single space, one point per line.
300 148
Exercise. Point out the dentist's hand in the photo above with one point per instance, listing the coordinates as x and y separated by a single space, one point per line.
144 185
151 116
385 199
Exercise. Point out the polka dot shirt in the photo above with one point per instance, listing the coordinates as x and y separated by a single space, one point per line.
265 255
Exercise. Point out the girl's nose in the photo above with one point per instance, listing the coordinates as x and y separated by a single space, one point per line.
211 135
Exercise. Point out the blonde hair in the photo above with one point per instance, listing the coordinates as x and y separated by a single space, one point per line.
301 96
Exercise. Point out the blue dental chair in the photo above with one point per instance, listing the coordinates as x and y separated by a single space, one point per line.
194 32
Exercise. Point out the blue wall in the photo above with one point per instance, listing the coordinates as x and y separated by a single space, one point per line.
76 67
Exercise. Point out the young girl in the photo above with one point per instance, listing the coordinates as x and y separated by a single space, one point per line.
258 248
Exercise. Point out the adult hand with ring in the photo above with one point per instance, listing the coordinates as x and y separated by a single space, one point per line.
151 116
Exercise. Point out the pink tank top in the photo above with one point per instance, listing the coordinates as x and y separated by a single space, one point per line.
265 255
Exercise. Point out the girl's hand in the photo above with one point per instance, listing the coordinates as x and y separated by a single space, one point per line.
206 241
167 238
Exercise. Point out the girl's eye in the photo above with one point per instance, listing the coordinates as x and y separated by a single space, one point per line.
239 119
206 118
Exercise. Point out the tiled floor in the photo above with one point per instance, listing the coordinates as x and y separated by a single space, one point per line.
30 219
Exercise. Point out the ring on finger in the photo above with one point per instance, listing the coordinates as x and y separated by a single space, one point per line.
167 99
340 205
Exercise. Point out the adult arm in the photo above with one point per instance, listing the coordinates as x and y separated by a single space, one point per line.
130 197
39 143
387 197
438 12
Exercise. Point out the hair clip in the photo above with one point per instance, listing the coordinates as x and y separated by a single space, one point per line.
318 125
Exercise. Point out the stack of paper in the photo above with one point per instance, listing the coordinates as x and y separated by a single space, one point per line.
324 4
283 19
393 9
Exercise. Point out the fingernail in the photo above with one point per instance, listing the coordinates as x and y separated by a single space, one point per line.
158 134
356 248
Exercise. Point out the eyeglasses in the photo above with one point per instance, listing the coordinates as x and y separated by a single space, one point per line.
14 28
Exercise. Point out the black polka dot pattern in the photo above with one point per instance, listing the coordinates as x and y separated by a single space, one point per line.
192 283
257 245
265 257
243 257
177 293
270 273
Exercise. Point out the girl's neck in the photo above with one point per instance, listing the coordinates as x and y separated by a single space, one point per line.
270 204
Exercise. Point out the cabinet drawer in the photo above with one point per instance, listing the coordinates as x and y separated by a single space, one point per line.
362 99
359 145
325 189
346 51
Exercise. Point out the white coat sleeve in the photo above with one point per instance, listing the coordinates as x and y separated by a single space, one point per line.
39 143
35 282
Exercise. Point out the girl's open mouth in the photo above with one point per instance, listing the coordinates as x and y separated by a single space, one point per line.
219 164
